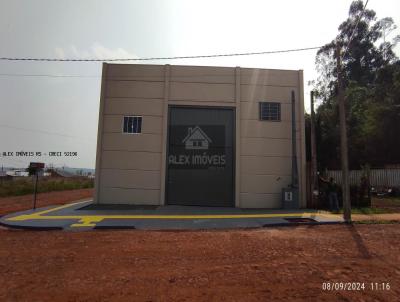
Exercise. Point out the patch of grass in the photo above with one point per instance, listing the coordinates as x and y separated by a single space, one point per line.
366 210
389 203
25 186
376 222
394 201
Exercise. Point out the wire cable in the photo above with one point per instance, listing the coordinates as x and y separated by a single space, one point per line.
159 58
45 132
355 28
47 75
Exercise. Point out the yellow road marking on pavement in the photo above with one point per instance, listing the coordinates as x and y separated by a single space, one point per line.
91 220
59 208
203 216
86 222
336 216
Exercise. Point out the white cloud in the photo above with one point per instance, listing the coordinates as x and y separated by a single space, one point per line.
96 51
102 52
60 53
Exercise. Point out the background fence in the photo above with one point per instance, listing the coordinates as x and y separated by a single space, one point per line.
378 177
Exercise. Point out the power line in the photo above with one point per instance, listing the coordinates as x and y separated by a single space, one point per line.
45 132
159 58
47 75
355 28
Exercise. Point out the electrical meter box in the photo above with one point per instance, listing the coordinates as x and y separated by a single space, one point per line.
290 198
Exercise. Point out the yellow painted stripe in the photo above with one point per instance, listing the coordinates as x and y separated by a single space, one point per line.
77 225
59 208
97 218
336 216
100 217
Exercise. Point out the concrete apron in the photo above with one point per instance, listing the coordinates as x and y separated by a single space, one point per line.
85 216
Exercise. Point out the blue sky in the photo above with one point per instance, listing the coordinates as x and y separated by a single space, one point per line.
103 29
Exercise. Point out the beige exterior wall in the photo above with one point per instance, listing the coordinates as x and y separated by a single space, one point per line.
131 168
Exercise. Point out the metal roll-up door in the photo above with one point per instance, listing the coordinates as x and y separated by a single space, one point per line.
200 158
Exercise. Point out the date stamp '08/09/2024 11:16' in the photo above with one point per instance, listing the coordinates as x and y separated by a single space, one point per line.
355 286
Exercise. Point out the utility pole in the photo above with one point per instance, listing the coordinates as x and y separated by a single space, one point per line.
295 174
343 140
35 189
314 176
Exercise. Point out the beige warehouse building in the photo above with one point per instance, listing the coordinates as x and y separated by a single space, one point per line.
191 135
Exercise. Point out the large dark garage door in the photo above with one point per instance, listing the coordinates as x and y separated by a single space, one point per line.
200 156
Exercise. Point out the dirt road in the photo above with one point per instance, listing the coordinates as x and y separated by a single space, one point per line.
273 264
276 264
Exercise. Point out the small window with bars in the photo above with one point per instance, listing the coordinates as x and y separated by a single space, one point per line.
132 124
270 111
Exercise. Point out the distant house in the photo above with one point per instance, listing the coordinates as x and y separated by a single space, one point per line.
63 173
18 173
196 139
58 173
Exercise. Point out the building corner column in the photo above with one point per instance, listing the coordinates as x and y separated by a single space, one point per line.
302 150
99 148
163 168
237 138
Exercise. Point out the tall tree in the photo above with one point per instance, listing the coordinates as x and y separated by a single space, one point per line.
371 77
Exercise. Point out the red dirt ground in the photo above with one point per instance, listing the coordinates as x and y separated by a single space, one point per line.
272 264
25 202
276 264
